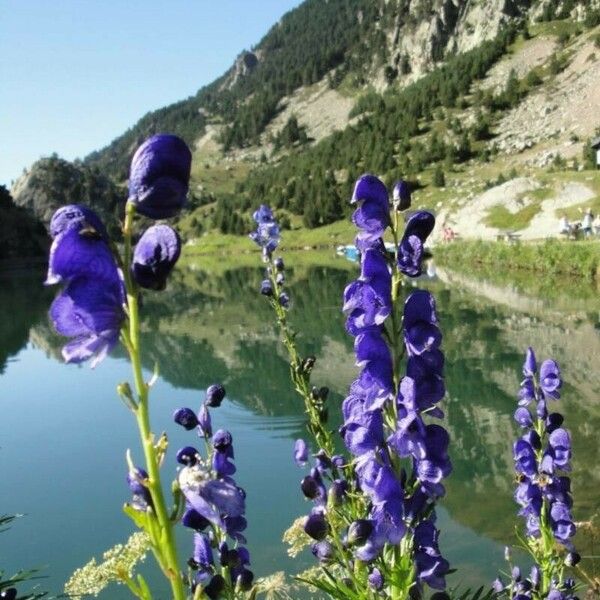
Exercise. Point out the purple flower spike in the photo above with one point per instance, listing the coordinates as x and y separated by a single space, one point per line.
159 176
401 195
155 256
550 380
267 233
76 216
91 312
300 452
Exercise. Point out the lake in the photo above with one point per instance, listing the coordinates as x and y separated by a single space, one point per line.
64 432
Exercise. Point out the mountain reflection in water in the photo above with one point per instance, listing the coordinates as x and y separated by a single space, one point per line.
212 325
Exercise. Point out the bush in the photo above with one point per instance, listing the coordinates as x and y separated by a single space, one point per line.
439 179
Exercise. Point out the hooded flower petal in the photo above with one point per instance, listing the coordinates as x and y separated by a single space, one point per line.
159 176
155 256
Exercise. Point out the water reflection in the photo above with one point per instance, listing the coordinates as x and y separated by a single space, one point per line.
213 325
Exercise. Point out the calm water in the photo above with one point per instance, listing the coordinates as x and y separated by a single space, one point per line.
63 432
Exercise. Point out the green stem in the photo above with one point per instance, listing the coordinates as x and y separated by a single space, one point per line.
164 538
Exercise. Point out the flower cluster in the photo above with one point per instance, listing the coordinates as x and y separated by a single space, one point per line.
267 231
214 503
542 454
90 308
384 416
542 458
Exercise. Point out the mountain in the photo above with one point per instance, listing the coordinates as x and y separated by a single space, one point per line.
447 93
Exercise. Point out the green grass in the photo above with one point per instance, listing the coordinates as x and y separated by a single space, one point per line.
501 218
579 259
556 28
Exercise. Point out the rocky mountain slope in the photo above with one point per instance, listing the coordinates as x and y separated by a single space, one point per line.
456 95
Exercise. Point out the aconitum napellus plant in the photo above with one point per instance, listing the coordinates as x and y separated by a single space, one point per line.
98 306
373 517
542 456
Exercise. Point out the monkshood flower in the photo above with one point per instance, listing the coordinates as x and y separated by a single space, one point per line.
76 216
159 176
215 507
410 250
155 256
542 458
372 216
267 232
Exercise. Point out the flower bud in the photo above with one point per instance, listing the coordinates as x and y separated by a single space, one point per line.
280 278
159 176
572 559
308 363
401 195
375 579
215 587
186 418
300 452
337 491
215 395
279 263
204 421
359 531
323 551
316 526
266 288
155 256
284 300
187 456
244 580
309 487
135 479
194 520
8 594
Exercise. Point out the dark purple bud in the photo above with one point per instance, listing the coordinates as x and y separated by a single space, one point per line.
280 279
310 487
187 456
9 594
279 263
338 461
215 395
215 587
554 421
186 418
535 576
244 580
322 460
530 364
375 579
338 491
159 176
401 195
572 559
323 551
155 256
222 440
266 288
204 422
316 526
284 300
308 363
541 409
76 216
359 531
300 452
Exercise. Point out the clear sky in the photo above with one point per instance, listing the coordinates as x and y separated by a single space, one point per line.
77 73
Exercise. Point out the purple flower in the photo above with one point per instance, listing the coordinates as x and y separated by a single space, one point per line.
372 216
401 195
79 217
323 551
159 176
187 455
222 443
421 332
300 452
375 578
410 250
142 500
155 256
550 380
530 364
204 422
316 525
431 566
91 312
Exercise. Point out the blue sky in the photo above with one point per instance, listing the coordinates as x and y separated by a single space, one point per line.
77 73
